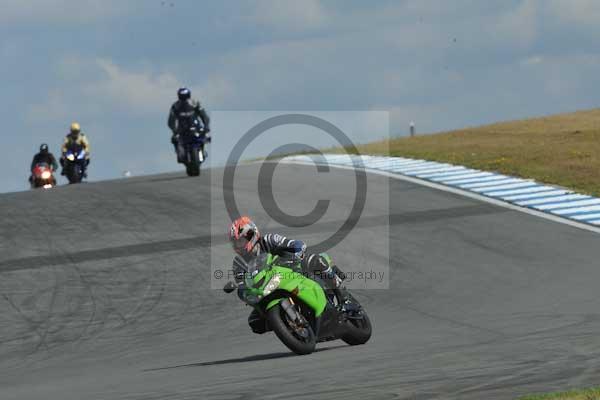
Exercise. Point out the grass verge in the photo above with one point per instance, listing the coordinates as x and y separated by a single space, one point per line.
585 394
561 149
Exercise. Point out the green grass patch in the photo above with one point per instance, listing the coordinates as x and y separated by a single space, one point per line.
561 149
585 394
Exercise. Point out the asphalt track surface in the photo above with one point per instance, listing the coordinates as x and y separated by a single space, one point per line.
105 294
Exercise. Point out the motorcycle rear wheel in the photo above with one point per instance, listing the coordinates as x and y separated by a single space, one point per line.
358 331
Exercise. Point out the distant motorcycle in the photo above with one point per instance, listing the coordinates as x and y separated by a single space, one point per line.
75 164
193 141
42 177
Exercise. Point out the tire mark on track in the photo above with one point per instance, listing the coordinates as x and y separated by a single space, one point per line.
33 325
41 325
207 240
104 253
92 317
48 329
55 289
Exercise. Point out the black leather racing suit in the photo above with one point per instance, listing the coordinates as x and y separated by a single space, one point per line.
44 158
184 115
294 252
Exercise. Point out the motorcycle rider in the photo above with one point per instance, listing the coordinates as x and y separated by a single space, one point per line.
43 157
75 138
248 243
186 113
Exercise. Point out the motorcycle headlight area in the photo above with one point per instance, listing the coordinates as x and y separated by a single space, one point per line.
70 157
46 175
272 285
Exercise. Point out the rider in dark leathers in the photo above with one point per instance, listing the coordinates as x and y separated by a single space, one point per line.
184 114
43 157
249 243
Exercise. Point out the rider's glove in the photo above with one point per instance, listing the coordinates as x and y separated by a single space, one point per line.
174 139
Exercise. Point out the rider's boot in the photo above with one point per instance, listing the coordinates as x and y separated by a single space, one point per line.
341 291
345 298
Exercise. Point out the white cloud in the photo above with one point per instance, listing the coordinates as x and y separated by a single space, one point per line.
138 91
146 92
89 89
144 89
532 60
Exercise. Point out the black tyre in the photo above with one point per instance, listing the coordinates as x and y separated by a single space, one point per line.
300 341
73 173
194 165
358 330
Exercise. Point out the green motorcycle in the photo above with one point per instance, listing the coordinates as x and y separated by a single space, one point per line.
296 308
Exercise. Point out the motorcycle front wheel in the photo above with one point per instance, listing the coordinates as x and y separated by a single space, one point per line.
298 338
193 167
73 173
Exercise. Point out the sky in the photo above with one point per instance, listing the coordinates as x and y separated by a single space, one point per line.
115 66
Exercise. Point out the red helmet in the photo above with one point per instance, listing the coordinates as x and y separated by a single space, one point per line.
244 236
